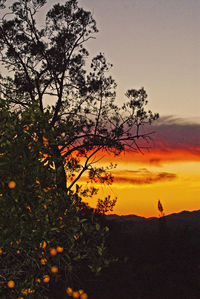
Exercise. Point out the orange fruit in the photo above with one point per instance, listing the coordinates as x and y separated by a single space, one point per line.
84 296
43 261
46 278
24 292
60 249
11 284
75 295
45 141
18 251
69 291
53 251
1 251
28 208
43 244
80 292
38 280
26 128
11 184
54 269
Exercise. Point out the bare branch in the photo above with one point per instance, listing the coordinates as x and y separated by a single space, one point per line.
85 167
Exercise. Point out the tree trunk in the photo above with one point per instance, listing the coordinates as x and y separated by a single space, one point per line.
61 178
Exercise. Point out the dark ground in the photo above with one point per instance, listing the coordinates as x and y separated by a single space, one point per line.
158 259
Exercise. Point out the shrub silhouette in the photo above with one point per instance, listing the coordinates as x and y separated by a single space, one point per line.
41 226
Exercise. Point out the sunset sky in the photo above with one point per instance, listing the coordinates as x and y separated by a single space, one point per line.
155 44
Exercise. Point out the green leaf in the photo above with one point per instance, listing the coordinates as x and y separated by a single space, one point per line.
97 226
100 251
55 229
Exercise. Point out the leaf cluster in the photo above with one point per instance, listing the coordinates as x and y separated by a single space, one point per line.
36 211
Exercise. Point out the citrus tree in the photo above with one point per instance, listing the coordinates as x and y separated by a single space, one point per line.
45 233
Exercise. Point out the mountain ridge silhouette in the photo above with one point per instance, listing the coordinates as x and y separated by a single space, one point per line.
133 217
184 220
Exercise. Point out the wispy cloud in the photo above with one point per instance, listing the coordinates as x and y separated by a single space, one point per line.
142 177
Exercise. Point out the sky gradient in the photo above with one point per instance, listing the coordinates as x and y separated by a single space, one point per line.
169 171
155 44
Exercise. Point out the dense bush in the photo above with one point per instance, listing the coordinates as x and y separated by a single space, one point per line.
44 234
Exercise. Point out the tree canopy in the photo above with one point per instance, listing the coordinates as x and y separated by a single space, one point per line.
57 111
48 63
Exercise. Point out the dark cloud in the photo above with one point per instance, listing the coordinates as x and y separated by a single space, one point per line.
173 133
172 139
155 161
142 177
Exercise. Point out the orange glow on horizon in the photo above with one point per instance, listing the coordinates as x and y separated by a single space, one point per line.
155 156
140 181
171 175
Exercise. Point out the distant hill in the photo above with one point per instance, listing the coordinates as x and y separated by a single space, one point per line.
131 223
193 216
125 217
157 258
182 214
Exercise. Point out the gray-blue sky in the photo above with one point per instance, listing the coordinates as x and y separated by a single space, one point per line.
155 44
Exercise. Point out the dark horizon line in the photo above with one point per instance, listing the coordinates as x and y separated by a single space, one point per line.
165 215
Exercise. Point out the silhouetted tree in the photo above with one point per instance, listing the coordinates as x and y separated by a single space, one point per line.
46 62
105 205
160 209
163 233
